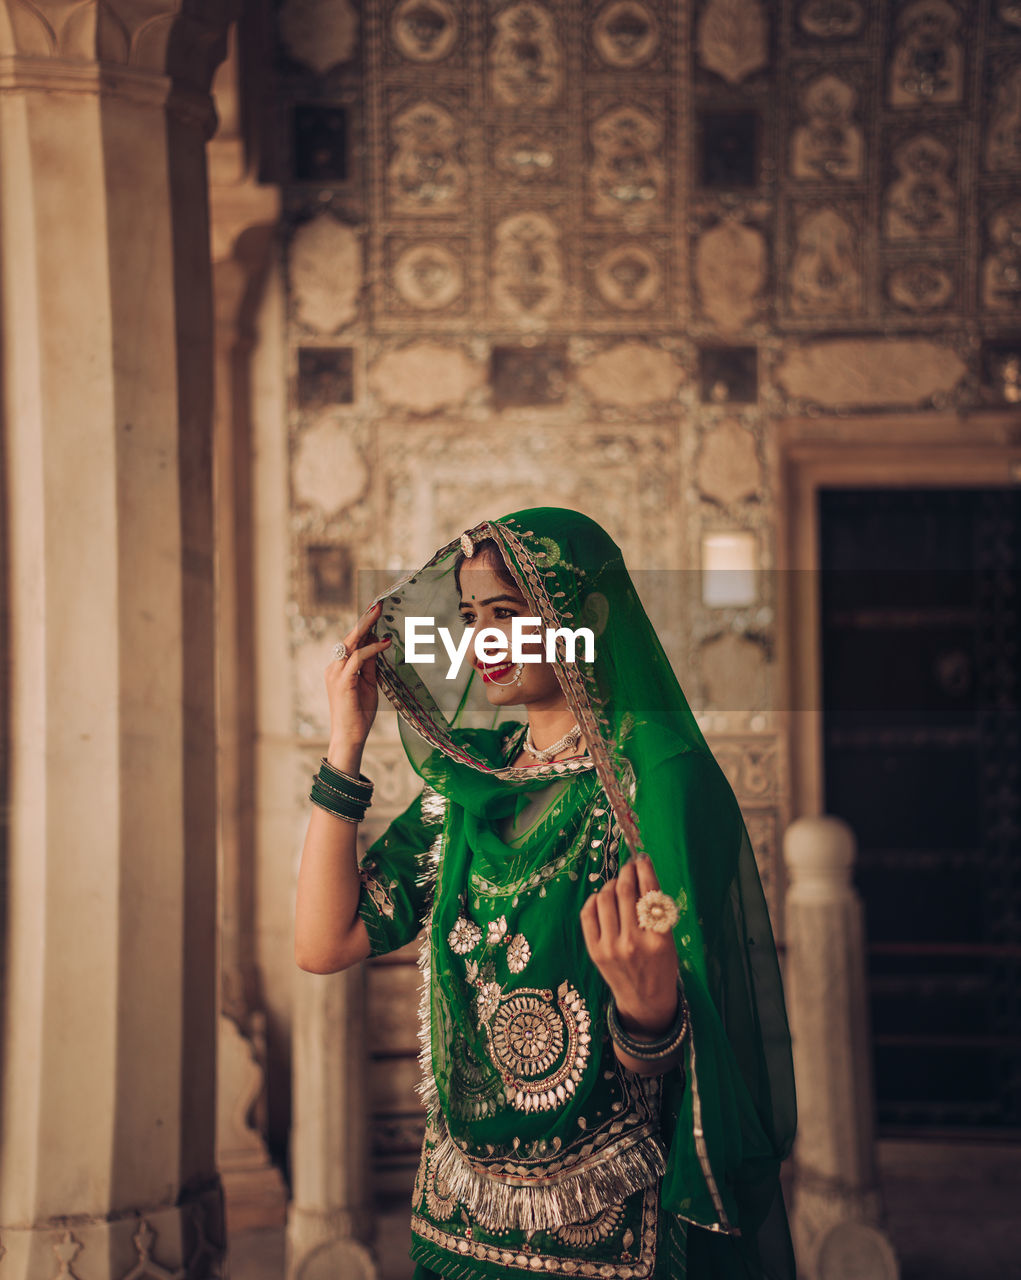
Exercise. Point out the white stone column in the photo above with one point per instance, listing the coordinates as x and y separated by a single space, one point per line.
107 1079
837 1206
243 217
330 1221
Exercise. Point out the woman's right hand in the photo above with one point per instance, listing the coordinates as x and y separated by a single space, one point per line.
351 686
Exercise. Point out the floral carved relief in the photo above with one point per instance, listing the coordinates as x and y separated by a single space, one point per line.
425 30
732 38
920 287
625 34
426 174
825 277
730 272
829 144
831 19
1001 268
526 58
429 469
428 276
528 274
1003 143
628 174
530 156
762 832
628 277
928 61
921 202
752 765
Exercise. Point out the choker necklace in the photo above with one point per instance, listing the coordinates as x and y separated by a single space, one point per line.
570 739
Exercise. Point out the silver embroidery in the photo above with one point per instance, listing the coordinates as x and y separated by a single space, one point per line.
594 1230
541 1049
518 953
495 931
377 890
464 936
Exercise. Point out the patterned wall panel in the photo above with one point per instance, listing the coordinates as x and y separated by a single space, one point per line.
591 251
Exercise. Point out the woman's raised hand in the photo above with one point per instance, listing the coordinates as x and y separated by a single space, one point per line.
351 686
639 965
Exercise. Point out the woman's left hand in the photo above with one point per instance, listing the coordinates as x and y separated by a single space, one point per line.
639 965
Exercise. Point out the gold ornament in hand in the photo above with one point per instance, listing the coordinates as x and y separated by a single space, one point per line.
657 911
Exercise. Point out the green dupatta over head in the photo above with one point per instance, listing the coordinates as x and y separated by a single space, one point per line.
732 1109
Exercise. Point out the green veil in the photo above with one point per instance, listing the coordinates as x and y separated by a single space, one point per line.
731 1112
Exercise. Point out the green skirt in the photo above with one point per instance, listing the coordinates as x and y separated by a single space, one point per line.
686 1252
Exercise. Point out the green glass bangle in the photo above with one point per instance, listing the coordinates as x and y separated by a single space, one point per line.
649 1050
334 802
330 789
343 804
343 816
360 785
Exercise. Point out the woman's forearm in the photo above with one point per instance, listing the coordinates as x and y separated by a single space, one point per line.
328 932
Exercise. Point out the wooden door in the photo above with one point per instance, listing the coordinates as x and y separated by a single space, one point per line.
920 594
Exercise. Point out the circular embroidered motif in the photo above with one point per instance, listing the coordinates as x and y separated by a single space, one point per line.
528 1036
540 1045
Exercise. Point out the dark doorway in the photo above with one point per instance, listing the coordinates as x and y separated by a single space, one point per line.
921 623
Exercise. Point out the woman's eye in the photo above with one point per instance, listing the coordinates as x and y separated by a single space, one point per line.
467 619
506 613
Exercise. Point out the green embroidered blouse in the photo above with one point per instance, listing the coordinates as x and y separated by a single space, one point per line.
551 1156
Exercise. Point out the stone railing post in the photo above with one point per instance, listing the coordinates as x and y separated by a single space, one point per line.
837 1206
330 1220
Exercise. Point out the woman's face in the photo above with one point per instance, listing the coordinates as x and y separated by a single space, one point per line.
487 601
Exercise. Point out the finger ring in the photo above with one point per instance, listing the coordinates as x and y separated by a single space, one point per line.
340 650
657 911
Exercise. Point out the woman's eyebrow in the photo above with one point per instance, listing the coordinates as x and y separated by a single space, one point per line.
473 604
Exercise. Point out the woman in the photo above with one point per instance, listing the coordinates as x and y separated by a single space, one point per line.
605 1049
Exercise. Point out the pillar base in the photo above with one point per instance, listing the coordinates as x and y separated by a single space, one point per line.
184 1241
830 1222
323 1246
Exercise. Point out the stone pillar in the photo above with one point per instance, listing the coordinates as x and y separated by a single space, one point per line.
107 1094
330 1221
837 1205
243 217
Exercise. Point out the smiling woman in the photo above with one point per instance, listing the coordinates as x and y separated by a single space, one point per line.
606 1056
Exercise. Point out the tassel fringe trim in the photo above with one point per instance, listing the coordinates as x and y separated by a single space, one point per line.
570 1196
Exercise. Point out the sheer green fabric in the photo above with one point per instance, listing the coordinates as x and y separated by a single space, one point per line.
650 784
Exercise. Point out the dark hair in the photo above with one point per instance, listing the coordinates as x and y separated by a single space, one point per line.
488 550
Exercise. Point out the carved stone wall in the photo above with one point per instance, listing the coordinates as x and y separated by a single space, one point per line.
592 253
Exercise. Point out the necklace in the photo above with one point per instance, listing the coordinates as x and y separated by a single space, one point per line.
570 739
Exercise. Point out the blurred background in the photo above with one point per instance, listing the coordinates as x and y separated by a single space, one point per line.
292 294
